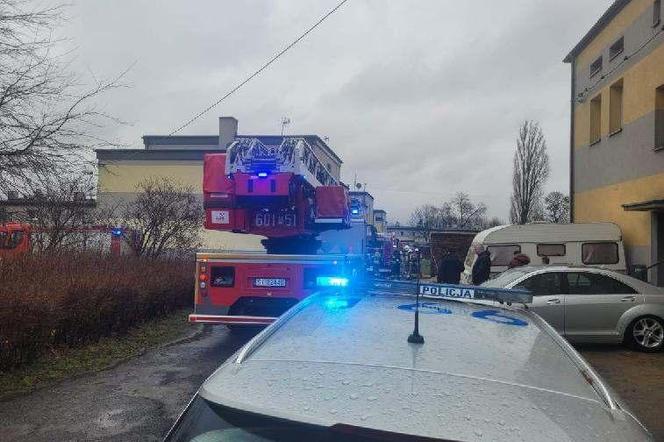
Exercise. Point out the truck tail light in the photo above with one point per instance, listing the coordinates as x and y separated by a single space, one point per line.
202 278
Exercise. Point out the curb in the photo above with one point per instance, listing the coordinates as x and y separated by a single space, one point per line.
198 332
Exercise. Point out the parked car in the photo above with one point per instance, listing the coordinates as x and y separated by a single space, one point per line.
591 244
586 304
339 368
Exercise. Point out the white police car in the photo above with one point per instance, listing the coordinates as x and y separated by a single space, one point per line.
339 367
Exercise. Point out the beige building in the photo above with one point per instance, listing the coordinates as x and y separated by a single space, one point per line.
362 206
380 220
180 158
617 128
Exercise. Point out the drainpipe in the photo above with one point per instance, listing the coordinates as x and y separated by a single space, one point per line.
571 143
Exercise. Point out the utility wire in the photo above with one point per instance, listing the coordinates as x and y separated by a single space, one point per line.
256 73
584 94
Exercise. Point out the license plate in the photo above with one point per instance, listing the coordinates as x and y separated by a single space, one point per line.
273 219
270 282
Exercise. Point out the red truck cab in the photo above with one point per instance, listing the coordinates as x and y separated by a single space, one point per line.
256 288
14 239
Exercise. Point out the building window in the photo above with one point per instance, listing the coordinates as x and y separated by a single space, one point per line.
659 118
657 12
596 67
596 119
616 107
617 48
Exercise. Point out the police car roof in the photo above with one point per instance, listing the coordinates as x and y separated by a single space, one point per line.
482 372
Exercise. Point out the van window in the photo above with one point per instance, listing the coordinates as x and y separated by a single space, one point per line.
599 253
222 277
502 255
551 250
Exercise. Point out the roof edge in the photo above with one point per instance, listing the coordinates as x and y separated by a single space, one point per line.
605 19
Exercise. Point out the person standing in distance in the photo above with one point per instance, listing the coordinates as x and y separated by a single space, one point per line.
449 269
482 266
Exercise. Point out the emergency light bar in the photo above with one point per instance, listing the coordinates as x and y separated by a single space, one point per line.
451 291
331 281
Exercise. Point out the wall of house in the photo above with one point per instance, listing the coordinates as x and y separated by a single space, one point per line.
332 164
118 183
624 166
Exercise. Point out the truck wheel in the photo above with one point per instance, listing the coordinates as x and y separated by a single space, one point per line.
646 334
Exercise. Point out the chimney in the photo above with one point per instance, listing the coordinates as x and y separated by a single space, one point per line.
12 195
227 131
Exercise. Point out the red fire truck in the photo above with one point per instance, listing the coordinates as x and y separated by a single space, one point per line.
254 289
14 239
284 192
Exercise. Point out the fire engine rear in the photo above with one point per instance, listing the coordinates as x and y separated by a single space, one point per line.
282 191
254 289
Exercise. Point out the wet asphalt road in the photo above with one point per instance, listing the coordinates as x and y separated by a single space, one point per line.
135 401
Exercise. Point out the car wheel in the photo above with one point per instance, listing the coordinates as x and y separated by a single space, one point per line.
646 334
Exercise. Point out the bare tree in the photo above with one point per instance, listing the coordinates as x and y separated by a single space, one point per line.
61 215
426 219
557 207
493 222
458 213
463 213
531 170
165 216
47 118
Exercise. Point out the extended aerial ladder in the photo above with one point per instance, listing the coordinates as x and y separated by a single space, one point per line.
282 191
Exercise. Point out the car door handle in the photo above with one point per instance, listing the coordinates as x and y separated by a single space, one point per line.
553 301
628 299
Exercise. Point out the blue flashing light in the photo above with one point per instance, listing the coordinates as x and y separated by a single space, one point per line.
117 231
262 174
335 303
331 281
355 211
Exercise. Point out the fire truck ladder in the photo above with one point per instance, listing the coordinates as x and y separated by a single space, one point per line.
296 155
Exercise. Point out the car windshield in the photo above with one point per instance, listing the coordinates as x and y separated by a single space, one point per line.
204 421
505 278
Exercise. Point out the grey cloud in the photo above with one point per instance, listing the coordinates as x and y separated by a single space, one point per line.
421 98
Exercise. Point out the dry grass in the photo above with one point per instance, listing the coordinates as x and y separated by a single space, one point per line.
64 362
50 301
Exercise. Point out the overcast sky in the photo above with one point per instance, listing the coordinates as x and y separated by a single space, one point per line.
420 98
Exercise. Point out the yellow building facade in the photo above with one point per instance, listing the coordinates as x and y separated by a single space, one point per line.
617 129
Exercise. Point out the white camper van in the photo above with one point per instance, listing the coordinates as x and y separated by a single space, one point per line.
592 244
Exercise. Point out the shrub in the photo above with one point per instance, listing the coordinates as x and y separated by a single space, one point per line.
53 300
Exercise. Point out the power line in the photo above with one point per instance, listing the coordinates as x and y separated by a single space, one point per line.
265 66
584 94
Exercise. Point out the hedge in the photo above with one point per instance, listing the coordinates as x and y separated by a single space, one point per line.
72 300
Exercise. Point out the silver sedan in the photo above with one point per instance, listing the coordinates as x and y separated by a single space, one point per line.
587 304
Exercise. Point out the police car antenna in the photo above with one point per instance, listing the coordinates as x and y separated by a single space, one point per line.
416 337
